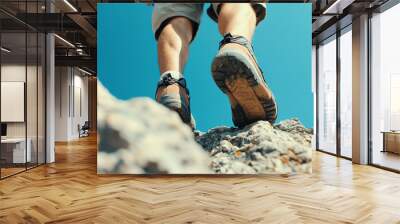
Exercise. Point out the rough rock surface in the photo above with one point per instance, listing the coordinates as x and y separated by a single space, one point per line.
140 136
259 148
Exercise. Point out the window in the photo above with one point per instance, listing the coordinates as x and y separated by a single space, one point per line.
327 95
385 89
346 92
22 79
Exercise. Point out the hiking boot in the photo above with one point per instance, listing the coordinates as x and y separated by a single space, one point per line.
173 93
236 72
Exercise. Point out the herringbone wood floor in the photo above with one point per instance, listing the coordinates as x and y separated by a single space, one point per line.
69 191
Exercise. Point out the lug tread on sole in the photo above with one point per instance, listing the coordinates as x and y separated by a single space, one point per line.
236 70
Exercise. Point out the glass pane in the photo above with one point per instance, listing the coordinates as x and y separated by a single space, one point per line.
386 89
13 87
31 86
327 96
23 87
41 98
31 100
346 94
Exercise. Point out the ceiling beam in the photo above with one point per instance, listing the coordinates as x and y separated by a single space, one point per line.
179 1
337 6
81 61
49 22
86 27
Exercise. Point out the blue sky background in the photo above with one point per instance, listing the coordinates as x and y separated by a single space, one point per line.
127 60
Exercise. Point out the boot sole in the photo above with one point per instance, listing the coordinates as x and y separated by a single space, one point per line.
237 77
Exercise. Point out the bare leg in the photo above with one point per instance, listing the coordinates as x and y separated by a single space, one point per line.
235 70
173 44
237 19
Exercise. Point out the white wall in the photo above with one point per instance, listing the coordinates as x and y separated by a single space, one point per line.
13 101
13 72
71 102
81 84
16 73
33 126
62 82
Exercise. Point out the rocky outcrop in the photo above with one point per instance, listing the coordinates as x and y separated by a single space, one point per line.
140 136
259 148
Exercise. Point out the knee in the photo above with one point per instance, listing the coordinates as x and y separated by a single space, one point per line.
243 10
177 33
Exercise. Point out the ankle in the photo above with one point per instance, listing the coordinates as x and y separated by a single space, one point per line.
173 74
172 79
232 38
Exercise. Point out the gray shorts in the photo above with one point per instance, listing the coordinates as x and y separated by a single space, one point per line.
163 12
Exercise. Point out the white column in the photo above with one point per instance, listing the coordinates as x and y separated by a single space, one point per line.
50 100
360 90
50 92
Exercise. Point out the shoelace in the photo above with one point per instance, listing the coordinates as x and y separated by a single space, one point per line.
169 80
